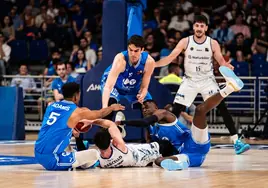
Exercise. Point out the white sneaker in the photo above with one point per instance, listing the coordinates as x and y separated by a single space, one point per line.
121 117
231 78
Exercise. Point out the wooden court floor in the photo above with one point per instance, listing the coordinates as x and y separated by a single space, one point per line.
222 168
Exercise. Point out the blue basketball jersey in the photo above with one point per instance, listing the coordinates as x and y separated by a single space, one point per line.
55 135
129 81
175 132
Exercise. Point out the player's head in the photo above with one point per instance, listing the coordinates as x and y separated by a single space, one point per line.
102 139
61 69
71 92
174 68
135 47
200 26
149 107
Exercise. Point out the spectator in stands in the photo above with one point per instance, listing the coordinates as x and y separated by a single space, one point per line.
79 21
99 54
59 82
27 84
50 69
41 17
5 51
16 19
197 11
173 76
252 16
239 45
239 27
186 5
81 62
8 29
180 24
260 44
28 19
224 35
160 34
51 9
70 70
234 9
151 47
90 54
92 44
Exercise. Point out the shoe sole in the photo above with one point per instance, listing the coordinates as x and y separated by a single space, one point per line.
231 78
243 149
121 117
171 165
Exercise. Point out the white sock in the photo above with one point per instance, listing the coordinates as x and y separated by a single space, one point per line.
199 135
234 138
227 90
183 158
86 158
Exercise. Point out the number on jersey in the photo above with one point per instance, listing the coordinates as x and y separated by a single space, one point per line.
52 118
198 69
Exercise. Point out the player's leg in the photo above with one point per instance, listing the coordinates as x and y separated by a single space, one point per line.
198 145
85 159
184 97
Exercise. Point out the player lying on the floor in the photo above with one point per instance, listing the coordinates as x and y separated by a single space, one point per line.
192 145
114 152
55 134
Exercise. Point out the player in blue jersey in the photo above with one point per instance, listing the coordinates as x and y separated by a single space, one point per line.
56 131
191 145
129 75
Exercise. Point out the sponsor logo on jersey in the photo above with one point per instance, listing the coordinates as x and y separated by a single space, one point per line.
206 49
192 48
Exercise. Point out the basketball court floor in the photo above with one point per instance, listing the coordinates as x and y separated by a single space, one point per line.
222 168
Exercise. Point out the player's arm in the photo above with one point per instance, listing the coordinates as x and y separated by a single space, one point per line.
218 55
57 95
119 65
148 71
177 50
158 116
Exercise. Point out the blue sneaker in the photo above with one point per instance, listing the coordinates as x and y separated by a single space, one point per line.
240 147
231 78
172 165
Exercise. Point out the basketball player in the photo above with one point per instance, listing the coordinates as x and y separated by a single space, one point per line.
114 152
56 131
128 76
192 145
200 50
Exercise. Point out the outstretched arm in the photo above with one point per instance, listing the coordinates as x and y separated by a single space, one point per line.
158 116
148 70
119 65
177 50
218 55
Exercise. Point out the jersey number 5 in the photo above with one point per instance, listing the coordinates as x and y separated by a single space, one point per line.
52 118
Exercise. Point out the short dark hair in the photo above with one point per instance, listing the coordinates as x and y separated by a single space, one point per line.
60 63
172 67
102 139
136 40
70 89
201 19
150 100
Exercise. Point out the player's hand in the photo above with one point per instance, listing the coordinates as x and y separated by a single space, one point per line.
117 107
75 133
86 122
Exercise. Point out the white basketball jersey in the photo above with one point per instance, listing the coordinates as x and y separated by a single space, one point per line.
198 60
137 155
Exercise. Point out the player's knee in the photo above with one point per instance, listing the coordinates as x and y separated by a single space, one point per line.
200 110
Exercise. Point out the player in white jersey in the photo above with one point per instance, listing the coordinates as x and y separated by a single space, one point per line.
114 152
200 50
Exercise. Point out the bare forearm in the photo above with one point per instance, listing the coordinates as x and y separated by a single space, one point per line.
163 62
104 123
105 97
